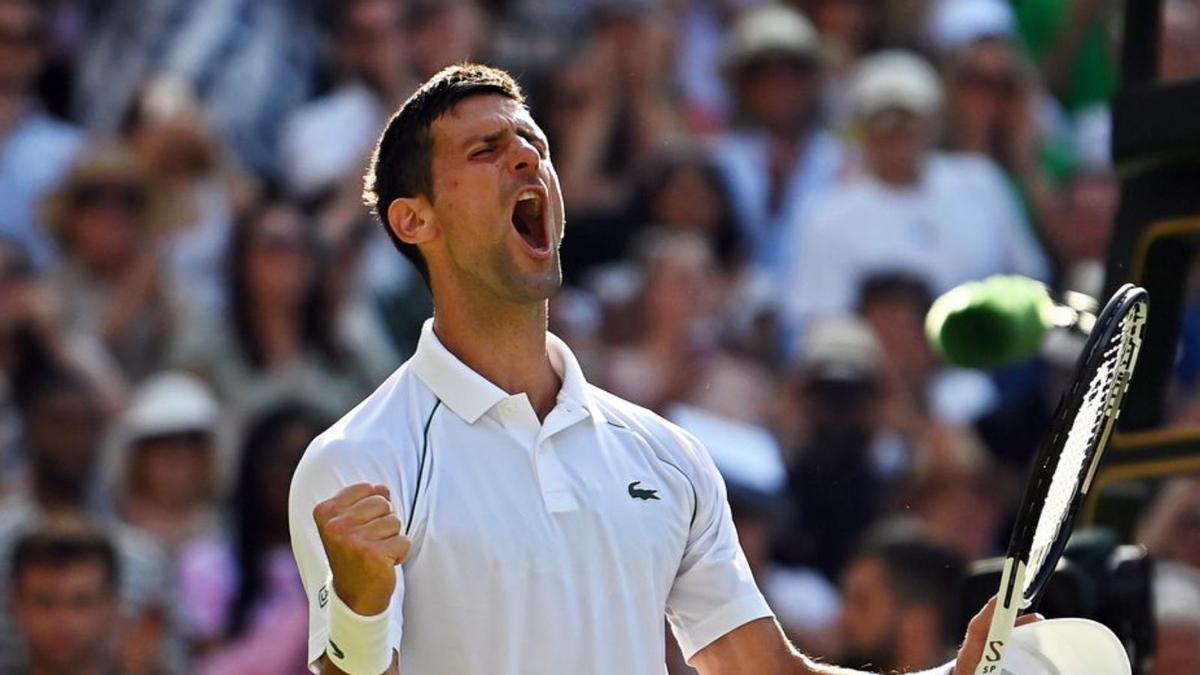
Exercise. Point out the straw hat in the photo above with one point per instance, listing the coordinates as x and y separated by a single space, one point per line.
768 30
103 163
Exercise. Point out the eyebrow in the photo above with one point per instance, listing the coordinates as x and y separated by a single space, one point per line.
524 130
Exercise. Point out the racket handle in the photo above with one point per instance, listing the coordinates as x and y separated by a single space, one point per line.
1008 604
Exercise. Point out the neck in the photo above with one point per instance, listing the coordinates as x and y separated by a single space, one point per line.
57 499
276 327
896 175
502 341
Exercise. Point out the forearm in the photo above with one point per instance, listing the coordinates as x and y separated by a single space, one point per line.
327 668
810 667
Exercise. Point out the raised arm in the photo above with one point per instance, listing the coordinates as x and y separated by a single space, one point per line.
364 542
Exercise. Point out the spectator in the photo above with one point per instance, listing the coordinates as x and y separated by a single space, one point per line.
108 220
608 109
1170 527
963 507
682 190
224 50
1072 43
246 589
777 156
995 104
445 32
1077 234
849 29
845 462
172 138
279 336
373 77
945 219
35 149
677 355
64 601
165 464
900 604
1177 619
1179 58
63 422
931 405
32 342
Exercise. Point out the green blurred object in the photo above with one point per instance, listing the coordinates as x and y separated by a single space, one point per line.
991 323
1093 71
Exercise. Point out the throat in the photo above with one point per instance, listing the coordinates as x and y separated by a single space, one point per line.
509 351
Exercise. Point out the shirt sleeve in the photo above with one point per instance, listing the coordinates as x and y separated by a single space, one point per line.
714 591
318 478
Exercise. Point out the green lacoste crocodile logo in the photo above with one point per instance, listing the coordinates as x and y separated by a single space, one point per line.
638 493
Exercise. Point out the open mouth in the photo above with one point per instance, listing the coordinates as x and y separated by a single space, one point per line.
529 222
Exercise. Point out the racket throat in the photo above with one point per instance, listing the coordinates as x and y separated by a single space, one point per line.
1009 603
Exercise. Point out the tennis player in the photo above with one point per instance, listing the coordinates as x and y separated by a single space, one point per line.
486 510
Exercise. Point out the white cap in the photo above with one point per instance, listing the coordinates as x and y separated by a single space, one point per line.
771 28
841 348
169 403
1065 647
955 24
895 78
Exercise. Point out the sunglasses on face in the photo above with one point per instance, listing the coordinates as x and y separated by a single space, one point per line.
772 65
123 197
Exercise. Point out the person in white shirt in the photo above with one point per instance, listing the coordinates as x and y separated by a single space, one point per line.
778 155
486 510
944 218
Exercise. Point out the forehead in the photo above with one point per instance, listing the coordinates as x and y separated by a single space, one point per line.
89 572
479 116
864 574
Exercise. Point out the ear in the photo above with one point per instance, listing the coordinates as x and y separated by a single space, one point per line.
412 220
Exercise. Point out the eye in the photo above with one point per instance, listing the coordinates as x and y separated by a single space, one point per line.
482 152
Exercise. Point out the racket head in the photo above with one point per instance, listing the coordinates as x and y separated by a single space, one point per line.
1069 454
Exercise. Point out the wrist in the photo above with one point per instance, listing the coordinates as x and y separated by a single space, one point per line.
358 644
362 602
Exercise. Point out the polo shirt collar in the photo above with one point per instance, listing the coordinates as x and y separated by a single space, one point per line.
471 395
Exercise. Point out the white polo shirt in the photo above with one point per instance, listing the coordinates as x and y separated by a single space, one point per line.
538 548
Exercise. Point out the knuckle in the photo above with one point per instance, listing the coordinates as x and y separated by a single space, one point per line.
321 512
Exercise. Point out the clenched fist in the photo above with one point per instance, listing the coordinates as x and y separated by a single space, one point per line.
364 542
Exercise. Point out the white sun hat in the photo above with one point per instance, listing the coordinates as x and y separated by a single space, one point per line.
1065 647
894 78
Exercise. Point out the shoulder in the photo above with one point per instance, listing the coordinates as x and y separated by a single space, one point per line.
669 442
831 207
965 168
374 435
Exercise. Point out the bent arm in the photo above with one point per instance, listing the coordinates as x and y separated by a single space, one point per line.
760 647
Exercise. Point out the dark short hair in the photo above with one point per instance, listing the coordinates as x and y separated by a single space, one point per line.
919 571
402 164
895 286
58 549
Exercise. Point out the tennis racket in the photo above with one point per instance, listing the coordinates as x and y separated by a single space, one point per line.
1066 463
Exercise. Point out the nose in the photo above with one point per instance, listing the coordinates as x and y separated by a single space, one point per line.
525 159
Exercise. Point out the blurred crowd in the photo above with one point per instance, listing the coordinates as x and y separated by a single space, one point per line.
762 201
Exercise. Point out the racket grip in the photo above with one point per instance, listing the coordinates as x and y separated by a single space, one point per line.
1008 604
